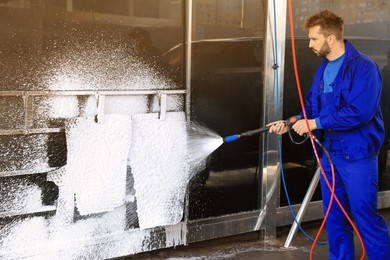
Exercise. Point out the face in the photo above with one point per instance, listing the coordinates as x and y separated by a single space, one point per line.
318 42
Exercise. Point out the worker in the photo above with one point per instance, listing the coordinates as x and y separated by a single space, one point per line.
343 111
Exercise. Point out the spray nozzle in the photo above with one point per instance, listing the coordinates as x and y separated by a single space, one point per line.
231 138
235 137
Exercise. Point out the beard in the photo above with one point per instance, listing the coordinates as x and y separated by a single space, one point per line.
323 51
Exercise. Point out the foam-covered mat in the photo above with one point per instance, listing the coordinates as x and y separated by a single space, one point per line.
159 167
97 161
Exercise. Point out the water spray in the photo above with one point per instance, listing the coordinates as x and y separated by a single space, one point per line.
289 122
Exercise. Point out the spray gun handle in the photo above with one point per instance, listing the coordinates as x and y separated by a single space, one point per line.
292 120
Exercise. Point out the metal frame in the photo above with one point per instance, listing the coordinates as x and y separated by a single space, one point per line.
187 51
271 111
29 106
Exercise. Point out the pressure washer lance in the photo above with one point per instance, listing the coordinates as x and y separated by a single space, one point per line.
289 122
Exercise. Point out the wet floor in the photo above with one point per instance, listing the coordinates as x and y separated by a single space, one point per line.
251 246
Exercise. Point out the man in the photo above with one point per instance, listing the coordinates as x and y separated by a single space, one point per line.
343 108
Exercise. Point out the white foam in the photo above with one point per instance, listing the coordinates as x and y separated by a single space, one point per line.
126 104
63 106
23 235
28 152
158 163
22 195
174 103
90 106
99 237
103 66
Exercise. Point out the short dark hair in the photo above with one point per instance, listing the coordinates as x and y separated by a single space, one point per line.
329 23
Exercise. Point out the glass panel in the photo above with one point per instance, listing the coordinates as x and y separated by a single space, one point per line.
226 97
366 26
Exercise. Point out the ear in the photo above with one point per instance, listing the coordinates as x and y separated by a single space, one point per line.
331 39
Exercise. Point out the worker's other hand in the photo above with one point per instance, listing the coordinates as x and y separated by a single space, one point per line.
278 127
300 127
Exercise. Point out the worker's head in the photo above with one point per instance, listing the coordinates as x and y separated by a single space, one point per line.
325 30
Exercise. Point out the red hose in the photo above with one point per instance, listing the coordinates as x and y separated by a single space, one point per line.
333 195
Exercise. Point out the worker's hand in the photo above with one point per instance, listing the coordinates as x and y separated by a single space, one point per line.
300 126
278 127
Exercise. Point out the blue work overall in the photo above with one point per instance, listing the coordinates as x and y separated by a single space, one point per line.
356 188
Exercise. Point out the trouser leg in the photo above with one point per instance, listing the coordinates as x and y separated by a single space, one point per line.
340 232
360 180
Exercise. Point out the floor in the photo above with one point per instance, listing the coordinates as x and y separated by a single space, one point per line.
250 246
